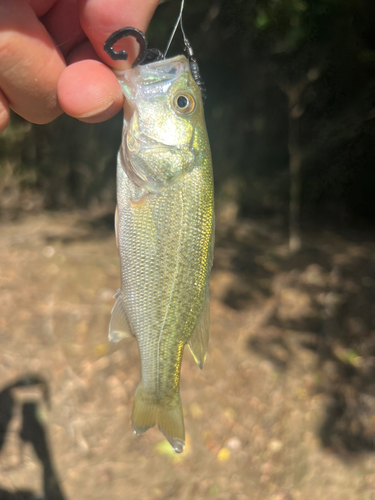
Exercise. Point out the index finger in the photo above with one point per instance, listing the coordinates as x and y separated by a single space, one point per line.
30 64
100 18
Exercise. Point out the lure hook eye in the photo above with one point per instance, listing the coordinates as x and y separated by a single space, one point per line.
122 55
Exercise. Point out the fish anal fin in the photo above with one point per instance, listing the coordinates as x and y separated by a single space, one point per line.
198 342
149 410
119 327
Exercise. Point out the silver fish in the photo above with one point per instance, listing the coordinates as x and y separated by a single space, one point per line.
165 235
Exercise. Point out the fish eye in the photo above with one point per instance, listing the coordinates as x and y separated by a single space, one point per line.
183 103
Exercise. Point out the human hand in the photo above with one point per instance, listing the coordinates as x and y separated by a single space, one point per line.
51 57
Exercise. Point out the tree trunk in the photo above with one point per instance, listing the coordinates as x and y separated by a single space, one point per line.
295 161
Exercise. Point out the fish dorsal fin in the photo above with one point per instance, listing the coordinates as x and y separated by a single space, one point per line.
198 341
119 327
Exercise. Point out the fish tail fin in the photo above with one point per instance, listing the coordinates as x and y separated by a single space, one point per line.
149 410
171 422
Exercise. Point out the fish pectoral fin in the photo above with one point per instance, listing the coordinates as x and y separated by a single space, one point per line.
198 342
119 327
149 410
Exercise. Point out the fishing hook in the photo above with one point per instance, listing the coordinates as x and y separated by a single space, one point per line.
145 55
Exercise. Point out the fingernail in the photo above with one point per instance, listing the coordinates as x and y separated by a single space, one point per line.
96 112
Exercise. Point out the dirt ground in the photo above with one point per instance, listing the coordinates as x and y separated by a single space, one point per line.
284 408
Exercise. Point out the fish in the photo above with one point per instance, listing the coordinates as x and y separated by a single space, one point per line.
165 236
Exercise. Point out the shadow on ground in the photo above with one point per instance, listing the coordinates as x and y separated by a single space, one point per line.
31 431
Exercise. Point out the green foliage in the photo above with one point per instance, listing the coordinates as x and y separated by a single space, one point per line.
292 22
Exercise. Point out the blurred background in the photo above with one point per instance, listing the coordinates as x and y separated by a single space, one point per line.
285 406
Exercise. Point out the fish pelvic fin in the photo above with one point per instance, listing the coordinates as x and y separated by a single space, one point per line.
149 410
119 327
198 342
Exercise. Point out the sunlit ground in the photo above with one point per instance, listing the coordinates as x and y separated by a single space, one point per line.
284 408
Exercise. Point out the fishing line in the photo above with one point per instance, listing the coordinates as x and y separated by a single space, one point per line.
179 21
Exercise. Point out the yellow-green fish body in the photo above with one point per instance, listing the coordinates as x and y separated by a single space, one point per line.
165 232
